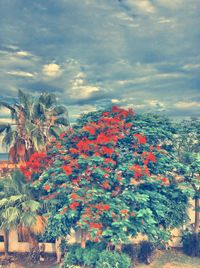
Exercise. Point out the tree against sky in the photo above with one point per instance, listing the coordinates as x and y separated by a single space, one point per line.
97 168
187 140
35 120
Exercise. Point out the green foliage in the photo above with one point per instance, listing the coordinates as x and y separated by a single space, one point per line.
187 140
168 204
93 257
108 179
17 205
56 227
76 255
109 259
191 244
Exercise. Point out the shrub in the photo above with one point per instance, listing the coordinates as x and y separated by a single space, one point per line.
90 257
100 246
191 244
76 255
73 256
146 251
109 259
94 257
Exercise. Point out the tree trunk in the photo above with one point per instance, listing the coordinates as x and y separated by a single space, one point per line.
83 238
58 250
197 218
6 242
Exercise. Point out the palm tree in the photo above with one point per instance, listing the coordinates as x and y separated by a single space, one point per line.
18 209
35 121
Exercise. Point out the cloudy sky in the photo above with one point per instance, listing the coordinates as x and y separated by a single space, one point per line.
92 53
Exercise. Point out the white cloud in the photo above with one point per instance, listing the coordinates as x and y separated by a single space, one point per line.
52 70
191 66
145 5
145 79
20 73
23 53
115 100
156 104
83 92
80 75
163 20
171 3
187 105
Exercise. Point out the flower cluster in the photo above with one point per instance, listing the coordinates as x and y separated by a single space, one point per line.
95 171
37 163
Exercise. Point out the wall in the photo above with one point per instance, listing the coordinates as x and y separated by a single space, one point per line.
15 246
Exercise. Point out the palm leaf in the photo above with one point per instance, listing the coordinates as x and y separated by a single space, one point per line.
11 215
62 121
31 205
54 131
9 137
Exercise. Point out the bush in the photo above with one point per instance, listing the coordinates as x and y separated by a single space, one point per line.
73 256
93 256
191 244
146 251
76 255
100 246
109 259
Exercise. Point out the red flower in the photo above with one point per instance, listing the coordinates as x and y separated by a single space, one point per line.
102 138
106 207
62 135
116 109
58 145
152 157
106 185
106 150
124 211
95 225
110 160
75 196
128 125
67 169
73 151
165 180
138 172
106 114
141 139
90 129
74 205
47 187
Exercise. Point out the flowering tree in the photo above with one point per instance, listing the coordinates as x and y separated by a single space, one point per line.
96 169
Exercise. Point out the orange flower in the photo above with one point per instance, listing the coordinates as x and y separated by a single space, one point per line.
124 211
47 187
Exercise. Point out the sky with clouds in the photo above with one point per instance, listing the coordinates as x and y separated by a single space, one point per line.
93 53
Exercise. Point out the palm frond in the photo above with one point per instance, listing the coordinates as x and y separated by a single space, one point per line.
62 121
11 215
30 205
